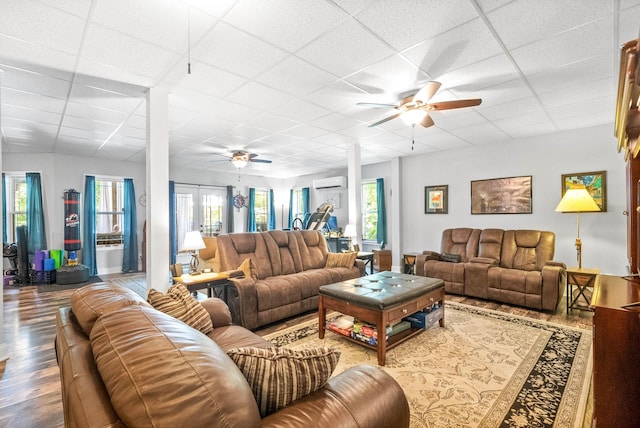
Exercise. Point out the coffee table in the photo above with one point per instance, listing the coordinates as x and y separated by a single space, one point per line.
381 299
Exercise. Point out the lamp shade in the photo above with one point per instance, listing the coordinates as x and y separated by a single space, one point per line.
413 117
350 231
193 241
577 201
239 163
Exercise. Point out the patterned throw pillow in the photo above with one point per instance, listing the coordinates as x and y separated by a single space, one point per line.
278 376
180 304
341 259
249 269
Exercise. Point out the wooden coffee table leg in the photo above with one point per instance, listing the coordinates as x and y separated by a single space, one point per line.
381 326
322 317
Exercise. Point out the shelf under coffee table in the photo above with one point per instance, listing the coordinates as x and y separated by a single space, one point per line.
381 299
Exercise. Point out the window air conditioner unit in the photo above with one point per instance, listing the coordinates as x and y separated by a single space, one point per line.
330 183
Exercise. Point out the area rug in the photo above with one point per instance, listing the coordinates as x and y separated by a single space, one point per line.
483 369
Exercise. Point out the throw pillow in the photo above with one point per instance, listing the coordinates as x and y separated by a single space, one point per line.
249 269
453 258
278 376
341 259
180 304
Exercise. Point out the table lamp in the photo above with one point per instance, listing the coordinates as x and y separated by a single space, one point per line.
192 242
577 200
350 232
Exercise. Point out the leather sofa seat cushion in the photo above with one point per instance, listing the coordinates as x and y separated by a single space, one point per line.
279 376
158 373
92 301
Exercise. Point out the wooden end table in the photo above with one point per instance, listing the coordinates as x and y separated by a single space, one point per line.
367 257
409 262
215 283
580 279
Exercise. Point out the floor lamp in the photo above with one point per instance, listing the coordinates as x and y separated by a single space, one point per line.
577 200
193 242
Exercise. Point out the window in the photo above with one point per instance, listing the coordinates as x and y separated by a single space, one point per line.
16 203
369 211
109 211
297 205
261 210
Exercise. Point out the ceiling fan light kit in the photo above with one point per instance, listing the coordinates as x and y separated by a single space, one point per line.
240 158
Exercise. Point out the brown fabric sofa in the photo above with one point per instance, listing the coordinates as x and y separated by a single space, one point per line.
291 266
510 266
123 363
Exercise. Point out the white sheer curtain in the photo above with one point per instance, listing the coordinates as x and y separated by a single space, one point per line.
184 213
105 204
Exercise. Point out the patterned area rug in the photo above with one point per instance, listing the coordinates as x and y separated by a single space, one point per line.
483 369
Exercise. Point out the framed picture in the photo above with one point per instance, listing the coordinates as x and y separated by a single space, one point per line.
595 182
509 195
436 199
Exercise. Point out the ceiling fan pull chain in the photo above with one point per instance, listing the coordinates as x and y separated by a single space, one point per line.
188 40
413 137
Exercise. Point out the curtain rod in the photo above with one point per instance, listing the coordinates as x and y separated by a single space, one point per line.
200 185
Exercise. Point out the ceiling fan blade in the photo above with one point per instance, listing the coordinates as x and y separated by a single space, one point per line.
448 105
377 105
426 122
386 119
427 92
260 160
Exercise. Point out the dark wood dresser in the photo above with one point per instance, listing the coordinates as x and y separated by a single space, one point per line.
616 352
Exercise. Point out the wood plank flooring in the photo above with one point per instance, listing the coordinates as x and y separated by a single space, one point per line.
30 382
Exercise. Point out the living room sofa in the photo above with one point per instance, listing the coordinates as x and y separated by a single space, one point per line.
510 266
289 268
123 363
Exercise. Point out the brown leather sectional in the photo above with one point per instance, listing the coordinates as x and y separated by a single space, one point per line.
291 267
124 364
510 266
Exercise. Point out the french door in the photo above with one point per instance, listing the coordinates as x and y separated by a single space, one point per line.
200 208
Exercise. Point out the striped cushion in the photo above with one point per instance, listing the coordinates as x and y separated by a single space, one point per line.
341 259
180 304
278 376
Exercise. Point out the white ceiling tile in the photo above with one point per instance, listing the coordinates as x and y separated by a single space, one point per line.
259 96
295 76
302 110
272 123
306 131
205 78
32 101
352 48
386 80
35 58
489 72
91 112
628 24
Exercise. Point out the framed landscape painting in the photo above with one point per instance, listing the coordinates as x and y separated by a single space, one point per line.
436 199
595 182
509 195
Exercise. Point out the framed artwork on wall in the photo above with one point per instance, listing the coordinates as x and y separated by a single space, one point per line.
509 195
595 182
436 199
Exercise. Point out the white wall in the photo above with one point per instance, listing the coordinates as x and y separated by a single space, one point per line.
545 158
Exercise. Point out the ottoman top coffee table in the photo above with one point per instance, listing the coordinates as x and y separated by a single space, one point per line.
381 299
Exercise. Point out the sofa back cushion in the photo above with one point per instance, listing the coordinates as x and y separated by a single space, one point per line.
159 372
284 253
527 249
313 248
461 241
490 245
234 248
92 301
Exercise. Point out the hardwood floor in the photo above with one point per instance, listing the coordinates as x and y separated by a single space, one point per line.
30 382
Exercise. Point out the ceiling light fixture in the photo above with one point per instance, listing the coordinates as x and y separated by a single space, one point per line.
239 162
413 117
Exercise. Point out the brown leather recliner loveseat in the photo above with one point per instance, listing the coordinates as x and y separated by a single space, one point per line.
510 266
290 268
125 364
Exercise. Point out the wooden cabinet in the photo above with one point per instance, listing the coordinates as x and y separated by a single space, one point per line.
616 352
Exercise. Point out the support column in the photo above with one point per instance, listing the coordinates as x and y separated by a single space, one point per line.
3 347
157 177
394 223
354 178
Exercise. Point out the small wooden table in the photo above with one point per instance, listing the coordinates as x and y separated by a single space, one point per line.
580 279
367 257
382 299
409 262
215 283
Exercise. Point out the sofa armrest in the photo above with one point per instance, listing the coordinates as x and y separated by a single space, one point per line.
242 299
484 260
553 280
218 311
361 267
362 396
421 259
558 264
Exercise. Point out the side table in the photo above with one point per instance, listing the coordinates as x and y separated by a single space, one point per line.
367 257
409 262
580 280
215 283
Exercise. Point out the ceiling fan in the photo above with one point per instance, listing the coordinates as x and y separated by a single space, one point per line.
415 109
240 158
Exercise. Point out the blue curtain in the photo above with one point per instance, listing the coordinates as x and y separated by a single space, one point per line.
272 211
381 235
36 236
290 223
305 207
89 225
230 217
130 230
251 217
173 237
4 209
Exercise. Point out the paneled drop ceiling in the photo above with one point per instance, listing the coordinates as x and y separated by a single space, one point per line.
281 78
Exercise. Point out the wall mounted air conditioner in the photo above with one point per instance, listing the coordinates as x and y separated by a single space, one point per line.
330 183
